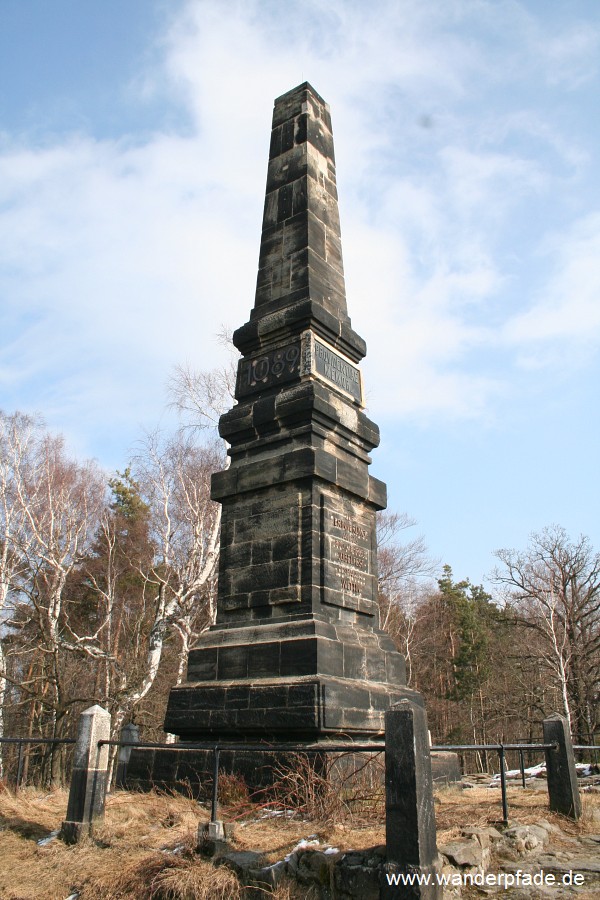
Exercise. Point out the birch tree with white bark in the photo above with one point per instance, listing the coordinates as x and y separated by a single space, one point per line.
180 583
554 589
403 568
17 438
53 508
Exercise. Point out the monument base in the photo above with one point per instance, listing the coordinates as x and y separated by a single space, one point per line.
301 680
304 680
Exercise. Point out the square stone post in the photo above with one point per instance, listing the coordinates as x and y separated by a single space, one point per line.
88 780
130 734
409 811
563 790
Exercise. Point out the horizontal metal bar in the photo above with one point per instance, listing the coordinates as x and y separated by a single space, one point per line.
261 748
497 747
316 748
292 748
586 746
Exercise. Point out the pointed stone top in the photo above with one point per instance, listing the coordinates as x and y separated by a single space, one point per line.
300 280
95 710
290 104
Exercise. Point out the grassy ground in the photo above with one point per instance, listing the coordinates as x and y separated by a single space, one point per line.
145 848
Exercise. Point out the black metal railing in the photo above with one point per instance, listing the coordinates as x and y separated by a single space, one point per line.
371 747
501 750
311 749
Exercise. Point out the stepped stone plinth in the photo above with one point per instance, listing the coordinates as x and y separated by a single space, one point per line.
296 652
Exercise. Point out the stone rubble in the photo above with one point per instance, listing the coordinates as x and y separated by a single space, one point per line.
356 874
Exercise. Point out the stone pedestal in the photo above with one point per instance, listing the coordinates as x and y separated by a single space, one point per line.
561 770
88 779
296 652
409 811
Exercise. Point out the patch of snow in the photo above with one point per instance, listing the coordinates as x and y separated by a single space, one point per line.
277 866
175 850
532 772
304 844
46 840
275 814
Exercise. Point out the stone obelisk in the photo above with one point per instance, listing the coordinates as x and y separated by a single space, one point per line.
296 652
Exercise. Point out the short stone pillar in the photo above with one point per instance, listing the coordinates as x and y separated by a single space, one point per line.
409 811
88 779
130 734
563 790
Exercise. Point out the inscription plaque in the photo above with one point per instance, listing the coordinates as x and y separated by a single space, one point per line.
348 578
337 370
273 368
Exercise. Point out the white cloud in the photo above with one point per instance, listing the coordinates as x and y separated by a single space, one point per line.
573 56
120 258
486 184
567 311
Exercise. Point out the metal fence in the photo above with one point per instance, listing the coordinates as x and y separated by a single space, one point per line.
309 749
315 749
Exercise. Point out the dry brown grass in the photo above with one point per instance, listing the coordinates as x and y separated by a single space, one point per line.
482 806
132 853
166 878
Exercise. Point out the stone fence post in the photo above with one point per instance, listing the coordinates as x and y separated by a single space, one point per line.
563 790
88 780
411 847
130 734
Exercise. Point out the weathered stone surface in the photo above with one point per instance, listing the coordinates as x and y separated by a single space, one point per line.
240 861
409 810
525 839
314 866
322 871
357 881
561 773
445 768
296 652
468 853
88 779
485 835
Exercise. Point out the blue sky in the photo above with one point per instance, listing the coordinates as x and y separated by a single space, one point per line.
133 151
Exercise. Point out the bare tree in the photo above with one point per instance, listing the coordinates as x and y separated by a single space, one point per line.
17 439
554 589
400 564
179 584
53 508
202 396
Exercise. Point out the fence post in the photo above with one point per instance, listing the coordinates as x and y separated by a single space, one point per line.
88 780
502 760
409 811
563 790
19 768
130 734
212 836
